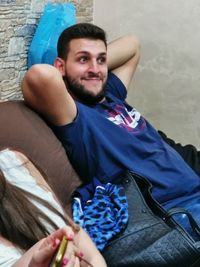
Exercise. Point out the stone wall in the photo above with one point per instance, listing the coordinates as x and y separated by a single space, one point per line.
18 21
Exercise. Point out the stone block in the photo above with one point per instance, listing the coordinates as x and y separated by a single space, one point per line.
25 30
16 46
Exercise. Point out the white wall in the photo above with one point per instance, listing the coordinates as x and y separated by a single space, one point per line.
166 86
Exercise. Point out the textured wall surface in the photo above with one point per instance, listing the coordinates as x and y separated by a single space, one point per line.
18 21
166 87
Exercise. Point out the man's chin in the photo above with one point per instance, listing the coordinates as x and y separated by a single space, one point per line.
91 99
86 92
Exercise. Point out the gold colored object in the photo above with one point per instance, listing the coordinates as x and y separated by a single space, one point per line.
57 260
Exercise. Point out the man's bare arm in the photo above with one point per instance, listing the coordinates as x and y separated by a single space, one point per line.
44 90
123 57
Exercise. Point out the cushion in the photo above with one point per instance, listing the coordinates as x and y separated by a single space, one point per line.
24 130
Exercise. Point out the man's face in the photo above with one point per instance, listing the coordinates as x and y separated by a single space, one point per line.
86 70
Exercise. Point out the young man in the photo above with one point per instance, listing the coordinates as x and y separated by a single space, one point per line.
102 134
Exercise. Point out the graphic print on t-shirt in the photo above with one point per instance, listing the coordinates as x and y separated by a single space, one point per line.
123 117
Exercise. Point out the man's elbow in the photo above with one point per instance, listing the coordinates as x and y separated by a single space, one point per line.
134 43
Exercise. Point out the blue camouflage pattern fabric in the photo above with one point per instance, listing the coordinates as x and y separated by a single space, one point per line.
104 215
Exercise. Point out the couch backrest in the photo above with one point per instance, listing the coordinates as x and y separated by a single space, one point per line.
24 130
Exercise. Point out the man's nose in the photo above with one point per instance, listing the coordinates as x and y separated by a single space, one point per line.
93 66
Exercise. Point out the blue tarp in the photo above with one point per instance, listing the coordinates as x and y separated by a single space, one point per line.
56 17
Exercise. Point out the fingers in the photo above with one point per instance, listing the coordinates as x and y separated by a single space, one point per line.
72 262
58 234
44 254
69 258
77 262
50 246
72 256
65 231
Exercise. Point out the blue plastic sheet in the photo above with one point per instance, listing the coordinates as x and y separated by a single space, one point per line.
56 17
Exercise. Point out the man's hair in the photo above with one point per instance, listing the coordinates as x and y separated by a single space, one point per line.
80 30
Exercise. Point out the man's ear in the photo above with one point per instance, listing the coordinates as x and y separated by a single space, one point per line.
59 63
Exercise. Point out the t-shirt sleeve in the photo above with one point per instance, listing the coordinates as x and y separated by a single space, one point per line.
115 86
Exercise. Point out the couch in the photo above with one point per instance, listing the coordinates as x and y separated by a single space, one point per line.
24 130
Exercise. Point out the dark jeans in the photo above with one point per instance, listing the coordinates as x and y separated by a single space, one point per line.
192 157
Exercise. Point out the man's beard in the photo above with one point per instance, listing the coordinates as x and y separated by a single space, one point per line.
82 94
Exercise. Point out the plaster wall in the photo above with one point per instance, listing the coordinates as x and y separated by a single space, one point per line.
166 85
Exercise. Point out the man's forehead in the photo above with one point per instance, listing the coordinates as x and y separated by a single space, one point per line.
87 45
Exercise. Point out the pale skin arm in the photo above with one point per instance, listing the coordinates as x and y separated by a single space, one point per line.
123 57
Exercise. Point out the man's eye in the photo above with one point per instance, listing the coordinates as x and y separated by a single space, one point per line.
83 59
101 60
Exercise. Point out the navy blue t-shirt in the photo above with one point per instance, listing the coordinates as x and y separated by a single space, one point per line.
110 137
